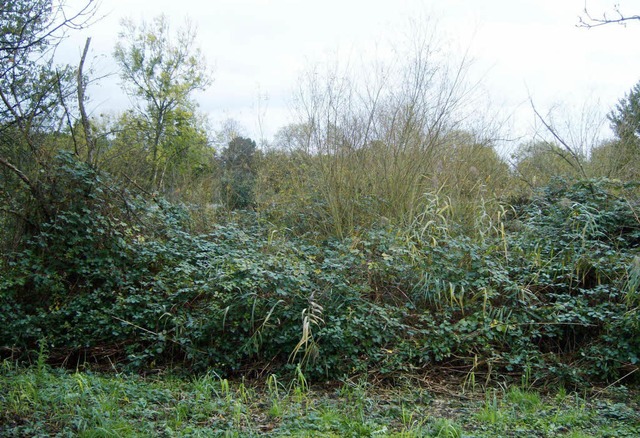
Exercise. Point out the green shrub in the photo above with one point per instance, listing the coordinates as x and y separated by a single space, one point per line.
112 278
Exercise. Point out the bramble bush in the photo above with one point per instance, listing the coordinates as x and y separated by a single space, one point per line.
113 278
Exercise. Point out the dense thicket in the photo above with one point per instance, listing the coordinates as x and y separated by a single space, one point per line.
551 289
375 235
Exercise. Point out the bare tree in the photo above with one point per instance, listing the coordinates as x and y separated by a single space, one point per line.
374 136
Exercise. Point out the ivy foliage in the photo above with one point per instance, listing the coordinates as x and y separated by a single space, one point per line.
112 278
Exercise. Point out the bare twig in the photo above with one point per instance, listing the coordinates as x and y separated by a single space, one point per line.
617 381
588 21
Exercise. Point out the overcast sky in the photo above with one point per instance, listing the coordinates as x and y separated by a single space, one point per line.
257 50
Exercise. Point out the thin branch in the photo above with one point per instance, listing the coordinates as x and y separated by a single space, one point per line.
590 21
32 187
67 116
78 20
564 144
18 172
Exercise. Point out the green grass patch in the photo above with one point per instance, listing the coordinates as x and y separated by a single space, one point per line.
43 401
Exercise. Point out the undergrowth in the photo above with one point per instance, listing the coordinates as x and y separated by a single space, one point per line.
547 288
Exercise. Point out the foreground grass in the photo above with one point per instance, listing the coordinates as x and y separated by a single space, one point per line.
40 401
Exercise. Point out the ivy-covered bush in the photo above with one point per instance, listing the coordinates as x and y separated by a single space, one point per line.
113 279
575 255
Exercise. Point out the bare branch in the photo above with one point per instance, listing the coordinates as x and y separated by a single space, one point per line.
576 157
88 135
588 21
32 187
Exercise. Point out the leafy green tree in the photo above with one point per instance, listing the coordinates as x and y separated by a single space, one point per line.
625 118
184 156
619 157
161 70
239 162
34 96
